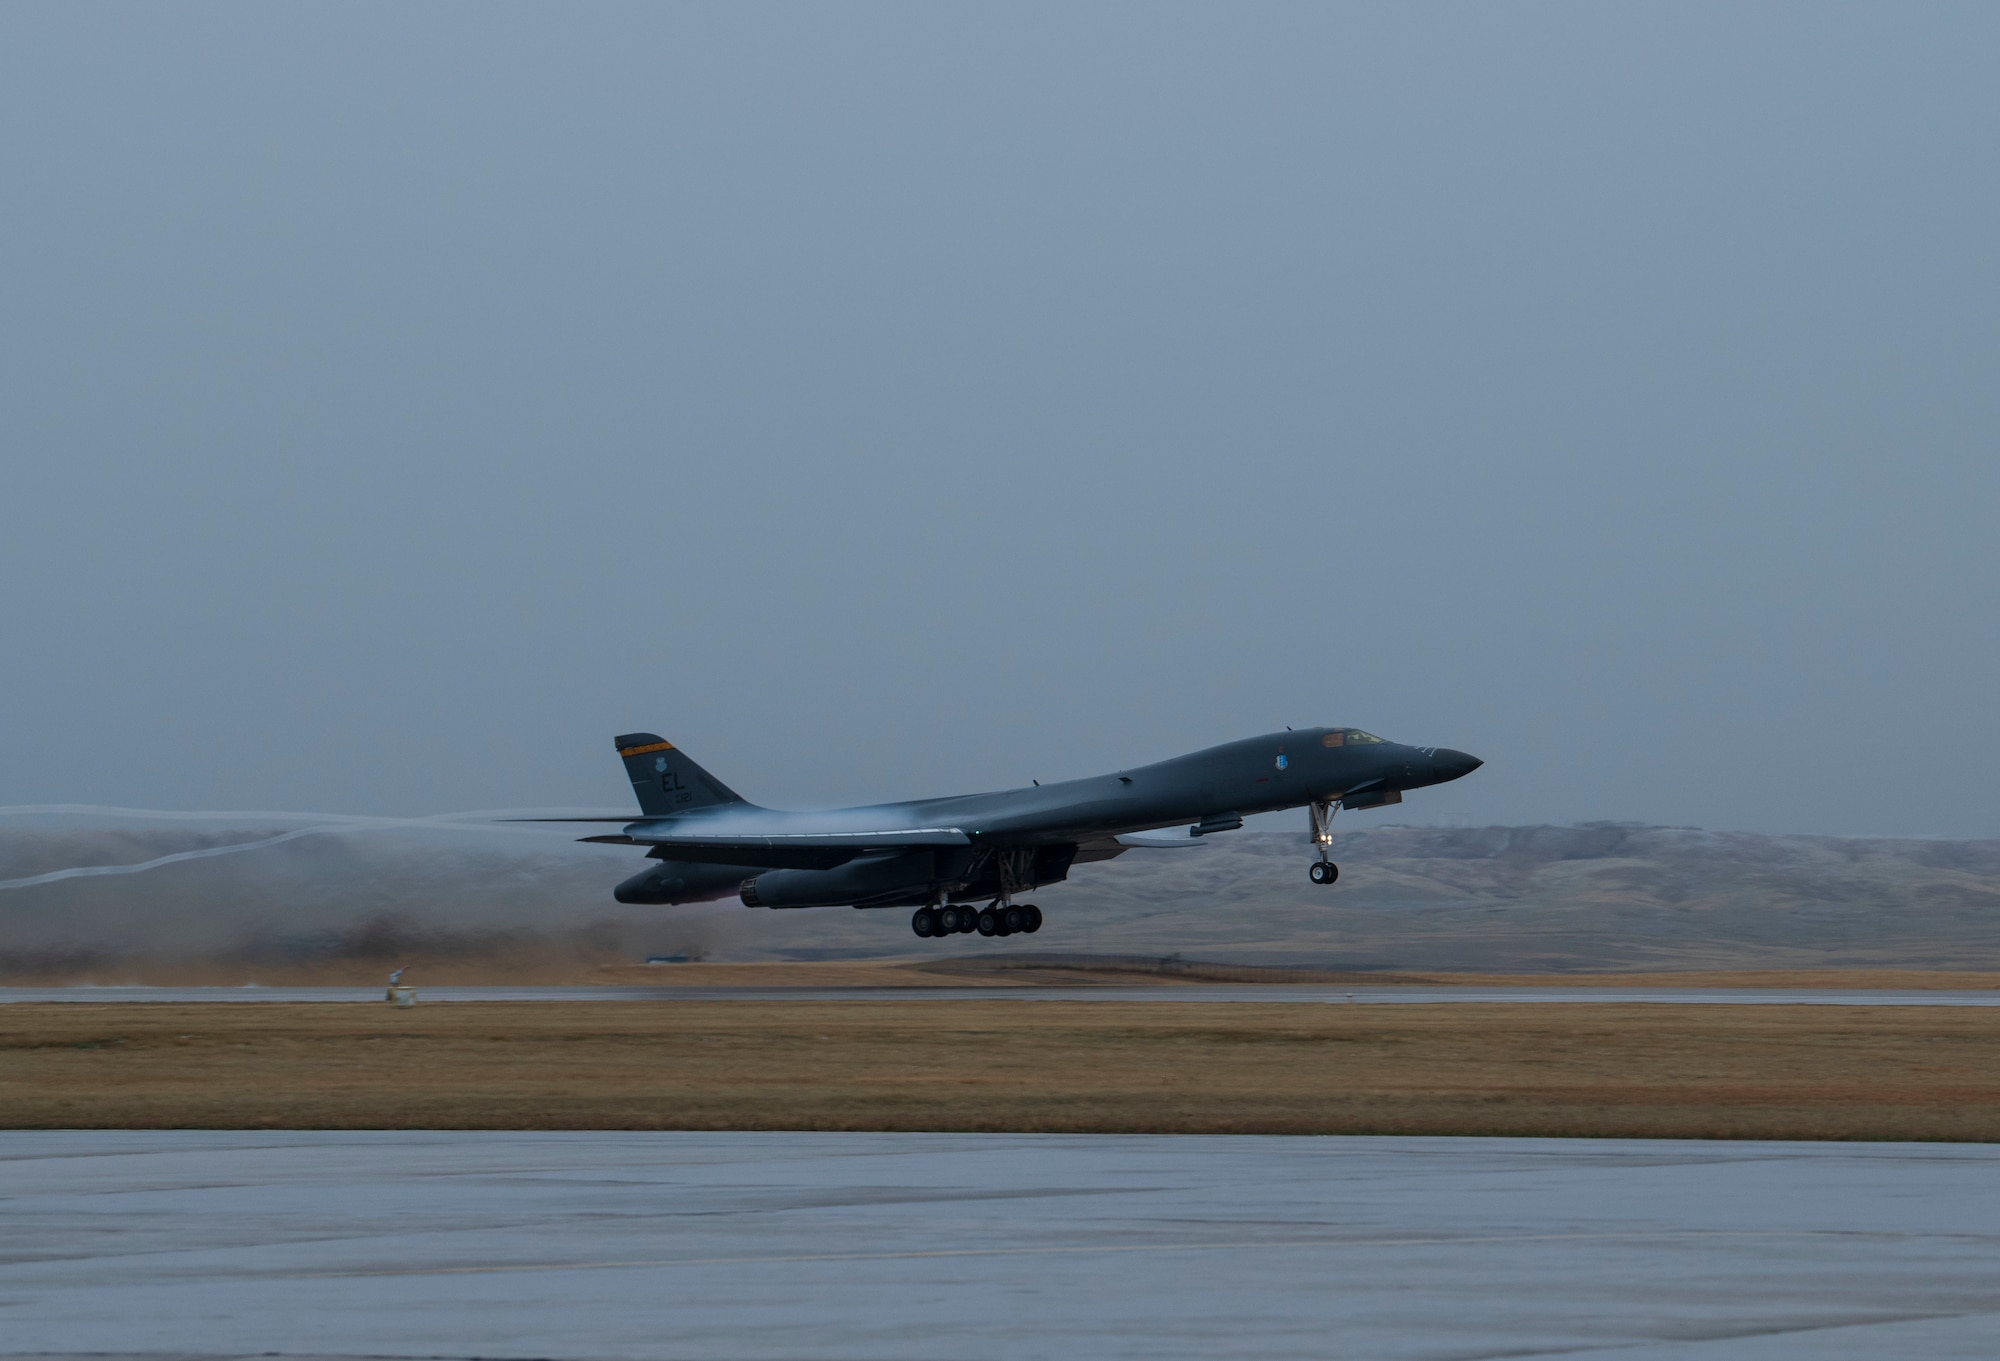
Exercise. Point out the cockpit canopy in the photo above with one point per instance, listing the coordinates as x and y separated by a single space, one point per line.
1351 737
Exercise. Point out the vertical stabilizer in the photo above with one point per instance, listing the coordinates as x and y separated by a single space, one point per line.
665 780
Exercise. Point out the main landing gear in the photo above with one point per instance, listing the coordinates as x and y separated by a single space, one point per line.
1001 919
1323 871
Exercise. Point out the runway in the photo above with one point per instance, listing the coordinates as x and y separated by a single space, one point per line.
638 1245
1194 992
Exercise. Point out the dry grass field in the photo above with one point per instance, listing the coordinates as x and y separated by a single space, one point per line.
1576 1069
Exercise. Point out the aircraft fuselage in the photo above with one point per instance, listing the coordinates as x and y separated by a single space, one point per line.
972 846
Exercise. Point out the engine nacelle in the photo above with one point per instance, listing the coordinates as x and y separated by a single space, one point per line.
886 874
678 881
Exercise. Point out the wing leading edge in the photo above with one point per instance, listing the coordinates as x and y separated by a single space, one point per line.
780 850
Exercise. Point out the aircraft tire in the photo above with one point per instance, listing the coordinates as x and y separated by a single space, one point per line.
924 922
947 920
988 922
1033 915
1012 919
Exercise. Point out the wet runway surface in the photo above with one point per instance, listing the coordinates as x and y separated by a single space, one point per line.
635 1245
1872 997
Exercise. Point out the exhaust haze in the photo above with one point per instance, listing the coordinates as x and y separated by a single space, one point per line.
349 905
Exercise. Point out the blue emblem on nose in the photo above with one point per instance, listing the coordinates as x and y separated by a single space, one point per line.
1282 763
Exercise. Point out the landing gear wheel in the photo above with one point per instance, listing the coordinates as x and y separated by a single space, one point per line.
1012 919
988 923
1323 872
1034 918
968 920
925 922
947 921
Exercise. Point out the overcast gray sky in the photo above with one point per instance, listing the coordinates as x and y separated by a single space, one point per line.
398 401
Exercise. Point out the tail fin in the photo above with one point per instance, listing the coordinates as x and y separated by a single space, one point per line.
665 780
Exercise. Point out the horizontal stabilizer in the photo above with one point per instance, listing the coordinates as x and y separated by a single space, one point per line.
627 817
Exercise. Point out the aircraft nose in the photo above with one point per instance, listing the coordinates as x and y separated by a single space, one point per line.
1452 764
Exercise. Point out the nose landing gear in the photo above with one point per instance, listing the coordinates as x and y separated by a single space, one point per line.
1323 871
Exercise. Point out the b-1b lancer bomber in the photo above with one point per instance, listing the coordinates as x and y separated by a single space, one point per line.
964 862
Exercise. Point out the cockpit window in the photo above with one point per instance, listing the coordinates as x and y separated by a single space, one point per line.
1351 737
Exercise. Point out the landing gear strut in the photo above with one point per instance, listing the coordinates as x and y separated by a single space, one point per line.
1323 871
1015 866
